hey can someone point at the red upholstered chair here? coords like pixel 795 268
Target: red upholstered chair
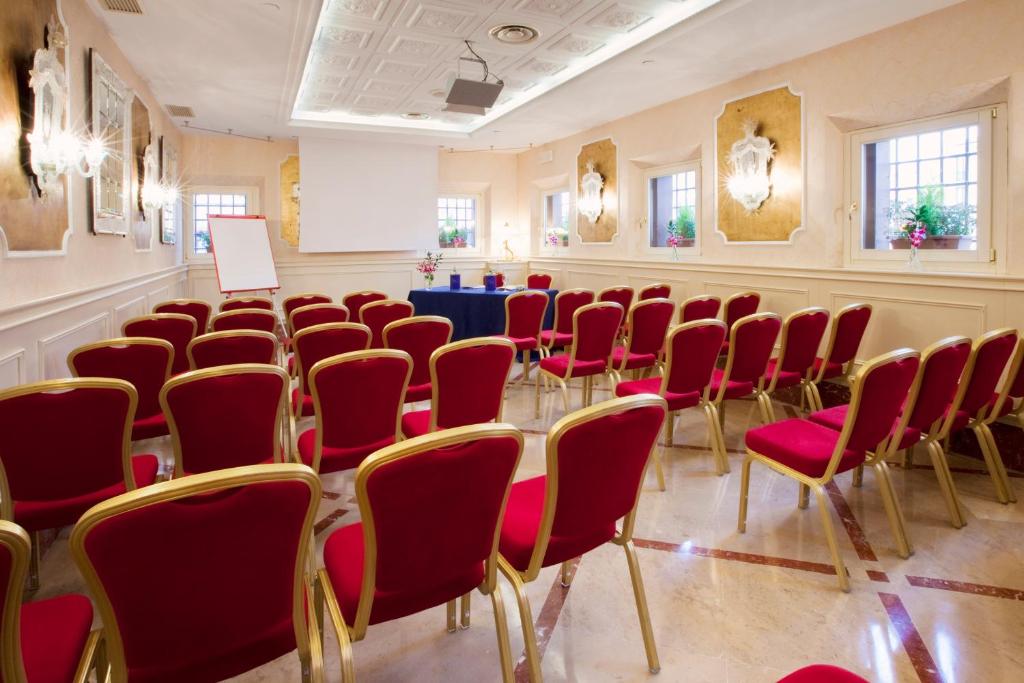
pixel 844 340
pixel 227 416
pixel 468 379
pixel 655 291
pixel 425 536
pixel 143 362
pixel 813 454
pixel 566 304
pixel 299 300
pixel 751 342
pixel 691 352
pixel 236 543
pixel 419 336
pixel 240 302
pixel 621 295
pixel 738 306
pixel 699 308
pixel 175 328
pixel 358 399
pixel 595 328
pixel 931 395
pixel 354 301
pixel 315 343
pixel 801 337
pixel 316 314
pixel 538 281
pixel 65 445
pixel 43 640
pixel 647 323
pixel 596 459
pixel 822 673
pixel 244 319
pixel 1010 400
pixel 377 314
pixel 200 310
pixel 231 347
pixel 524 320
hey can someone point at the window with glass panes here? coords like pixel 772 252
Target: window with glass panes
pixel 672 199
pixel 211 204
pixel 556 219
pixel 456 222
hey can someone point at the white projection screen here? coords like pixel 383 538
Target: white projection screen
pixel 363 196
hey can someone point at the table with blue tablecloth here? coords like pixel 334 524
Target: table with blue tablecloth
pixel 474 312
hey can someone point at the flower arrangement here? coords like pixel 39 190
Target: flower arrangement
pixel 941 225
pixel 428 266
pixel 557 237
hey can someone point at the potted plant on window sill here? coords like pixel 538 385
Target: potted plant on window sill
pixel 451 237
pixel 682 232
pixel 945 227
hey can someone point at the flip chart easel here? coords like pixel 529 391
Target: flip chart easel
pixel 242 255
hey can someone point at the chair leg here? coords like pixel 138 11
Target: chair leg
pixel 451 616
pixel 991 464
pixel 567 574
pixel 641 608
pixel 803 497
pixel 816 403
pixel 670 424
pixel 946 485
pixel 830 536
pixel 721 418
pixel 717 438
pixel 658 471
pixel 348 673
pixel 892 509
pixel 464 617
pixel 565 394
pixel 741 524
pixel 526 367
pixel 858 476
pixel 536 395
pixel 525 619
pixel 34 560
pixel 764 403
pixel 504 646
pixel 997 460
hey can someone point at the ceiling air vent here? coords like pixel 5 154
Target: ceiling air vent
pixel 123 6
pixel 180 111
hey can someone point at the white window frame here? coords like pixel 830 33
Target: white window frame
pixel 544 246
pixel 481 224
pixel 252 202
pixel 668 170
pixel 992 155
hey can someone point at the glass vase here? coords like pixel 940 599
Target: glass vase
pixel 675 253
pixel 914 262
pixel 428 280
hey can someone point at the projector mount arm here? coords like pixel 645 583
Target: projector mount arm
pixel 477 59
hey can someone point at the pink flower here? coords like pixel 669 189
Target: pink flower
pixel 673 241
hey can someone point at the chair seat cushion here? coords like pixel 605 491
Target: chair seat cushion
pixel 416 423
pixel 418 392
pixel 343 560
pixel 522 343
pixel 560 338
pixel 787 378
pixel 833 369
pixel 307 408
pixel 801 445
pixel 559 367
pixel 36 515
pixel 150 427
pixel 53 635
pixel 522 521
pixel 633 361
pixel 833 418
pixel 337 459
pixel 652 386
pixel 822 673
pixel 732 389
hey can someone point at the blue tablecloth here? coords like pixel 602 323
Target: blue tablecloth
pixel 473 312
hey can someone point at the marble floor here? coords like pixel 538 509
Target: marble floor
pixel 725 606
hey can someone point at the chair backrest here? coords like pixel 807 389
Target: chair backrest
pixel 524 314
pixel 355 301
pixel 699 308
pixel 989 356
pixel 649 320
pixel 468 379
pixel 240 302
pixel 566 303
pixel 424 529
pixel 1013 387
pixel 934 388
pixel 64 438
pixel 878 392
pixel 621 295
pixel 143 362
pixel 175 328
pixel 300 300
pixel 594 329
pixel 419 336
pixel 377 314
pixel 848 328
pixel 538 281
pixel 801 337
pixel 232 347
pixel 596 459
pixel 751 342
pixel 199 310
pixel 15 550
pixel 316 314
pixel 741 305
pixel 315 343
pixel 358 398
pixel 244 319
pixel 659 290
pixel 691 353
pixel 227 416
pixel 233 600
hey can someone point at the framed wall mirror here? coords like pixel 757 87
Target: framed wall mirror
pixel 108 189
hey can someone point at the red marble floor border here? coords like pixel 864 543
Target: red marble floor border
pixel 850 523
pixel 544 626
pixel 966 587
pixel 749 558
pixel 330 519
pixel 913 643
pixel 330 495
pixel 876 575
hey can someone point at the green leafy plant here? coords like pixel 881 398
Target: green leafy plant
pixel 202 242
pixel 685 224
pixel 931 213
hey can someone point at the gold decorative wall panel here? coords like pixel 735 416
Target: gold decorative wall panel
pixel 290 200
pixel 142 228
pixel 604 155
pixel 778 114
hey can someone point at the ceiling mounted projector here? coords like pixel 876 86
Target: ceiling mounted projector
pixel 466 96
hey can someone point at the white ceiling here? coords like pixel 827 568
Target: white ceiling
pixel 239 63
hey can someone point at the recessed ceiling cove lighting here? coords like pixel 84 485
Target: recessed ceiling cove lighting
pixel 513 34
pixel 416 116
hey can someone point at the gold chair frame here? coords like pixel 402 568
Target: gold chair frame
pixel 640 294
pixel 526 353
pixel 305 295
pixel 545 351
pixel 122 341
pixel 847 371
pixel 628 341
pixel 244 311
pixel 313 329
pixel 806 382
pixel 362 292
pixel 694 299
pixel 290 323
pixel 182 302
pixel 458 346
pixel 763 401
pixel 387 302
pixel 210 336
pixel 246 299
